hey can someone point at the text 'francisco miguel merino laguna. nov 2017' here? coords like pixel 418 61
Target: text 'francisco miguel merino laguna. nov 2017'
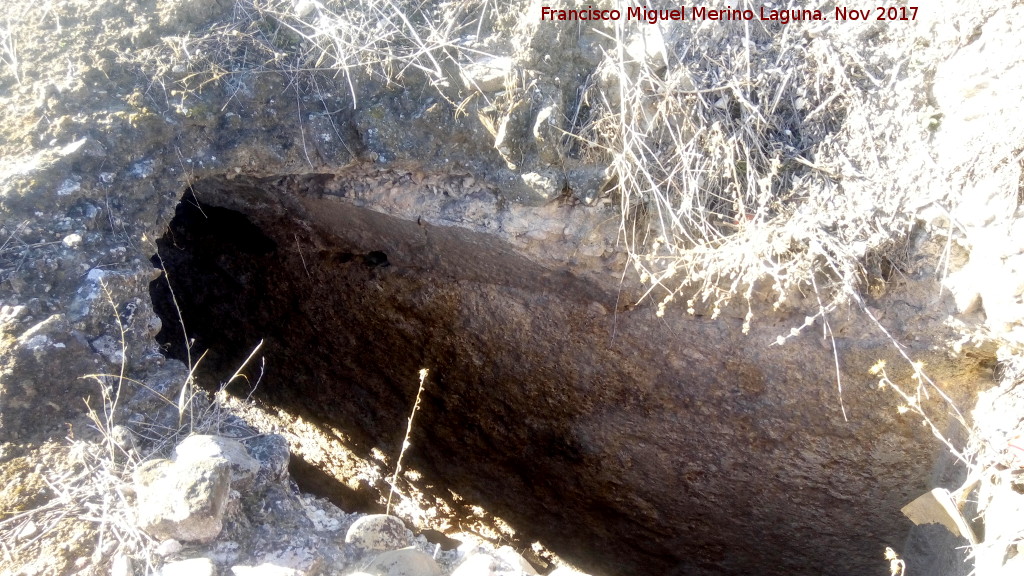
pixel 767 13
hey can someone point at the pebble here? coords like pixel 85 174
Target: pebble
pixel 168 547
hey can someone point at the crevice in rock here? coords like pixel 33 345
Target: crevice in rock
pixel 626 444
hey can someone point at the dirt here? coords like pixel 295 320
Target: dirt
pixel 23 487
pixel 57 542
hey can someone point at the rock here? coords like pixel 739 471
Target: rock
pixel 509 555
pixel 379 532
pixel 501 562
pixel 404 562
pixel 273 454
pixel 243 467
pixel 545 184
pixel 41 371
pixel 168 547
pixel 295 558
pixel 265 569
pixel 587 182
pixel 487 75
pixel 474 565
pixel 190 567
pixel 182 501
pixel 121 566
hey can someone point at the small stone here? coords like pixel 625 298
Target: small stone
pixel 404 562
pixel 545 185
pixel 190 567
pixel 123 437
pixel 304 8
pixel 110 348
pixel 27 531
pixel 68 187
pixel 487 75
pixel 379 532
pixel 168 547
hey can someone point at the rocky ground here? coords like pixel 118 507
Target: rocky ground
pixel 115 458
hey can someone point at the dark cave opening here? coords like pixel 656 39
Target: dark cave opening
pixel 542 407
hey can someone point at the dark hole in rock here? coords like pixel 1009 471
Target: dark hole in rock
pixel 627 444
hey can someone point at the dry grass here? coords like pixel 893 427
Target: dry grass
pixel 750 159
pixel 89 484
pixel 9 50
pixel 91 488
pixel 748 165
pixel 309 43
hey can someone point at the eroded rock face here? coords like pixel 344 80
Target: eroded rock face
pixel 43 365
pixel 626 444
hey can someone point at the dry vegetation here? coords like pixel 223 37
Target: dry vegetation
pixel 758 162
pixel 73 508
pixel 753 161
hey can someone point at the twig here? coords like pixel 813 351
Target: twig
pixel 405 440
